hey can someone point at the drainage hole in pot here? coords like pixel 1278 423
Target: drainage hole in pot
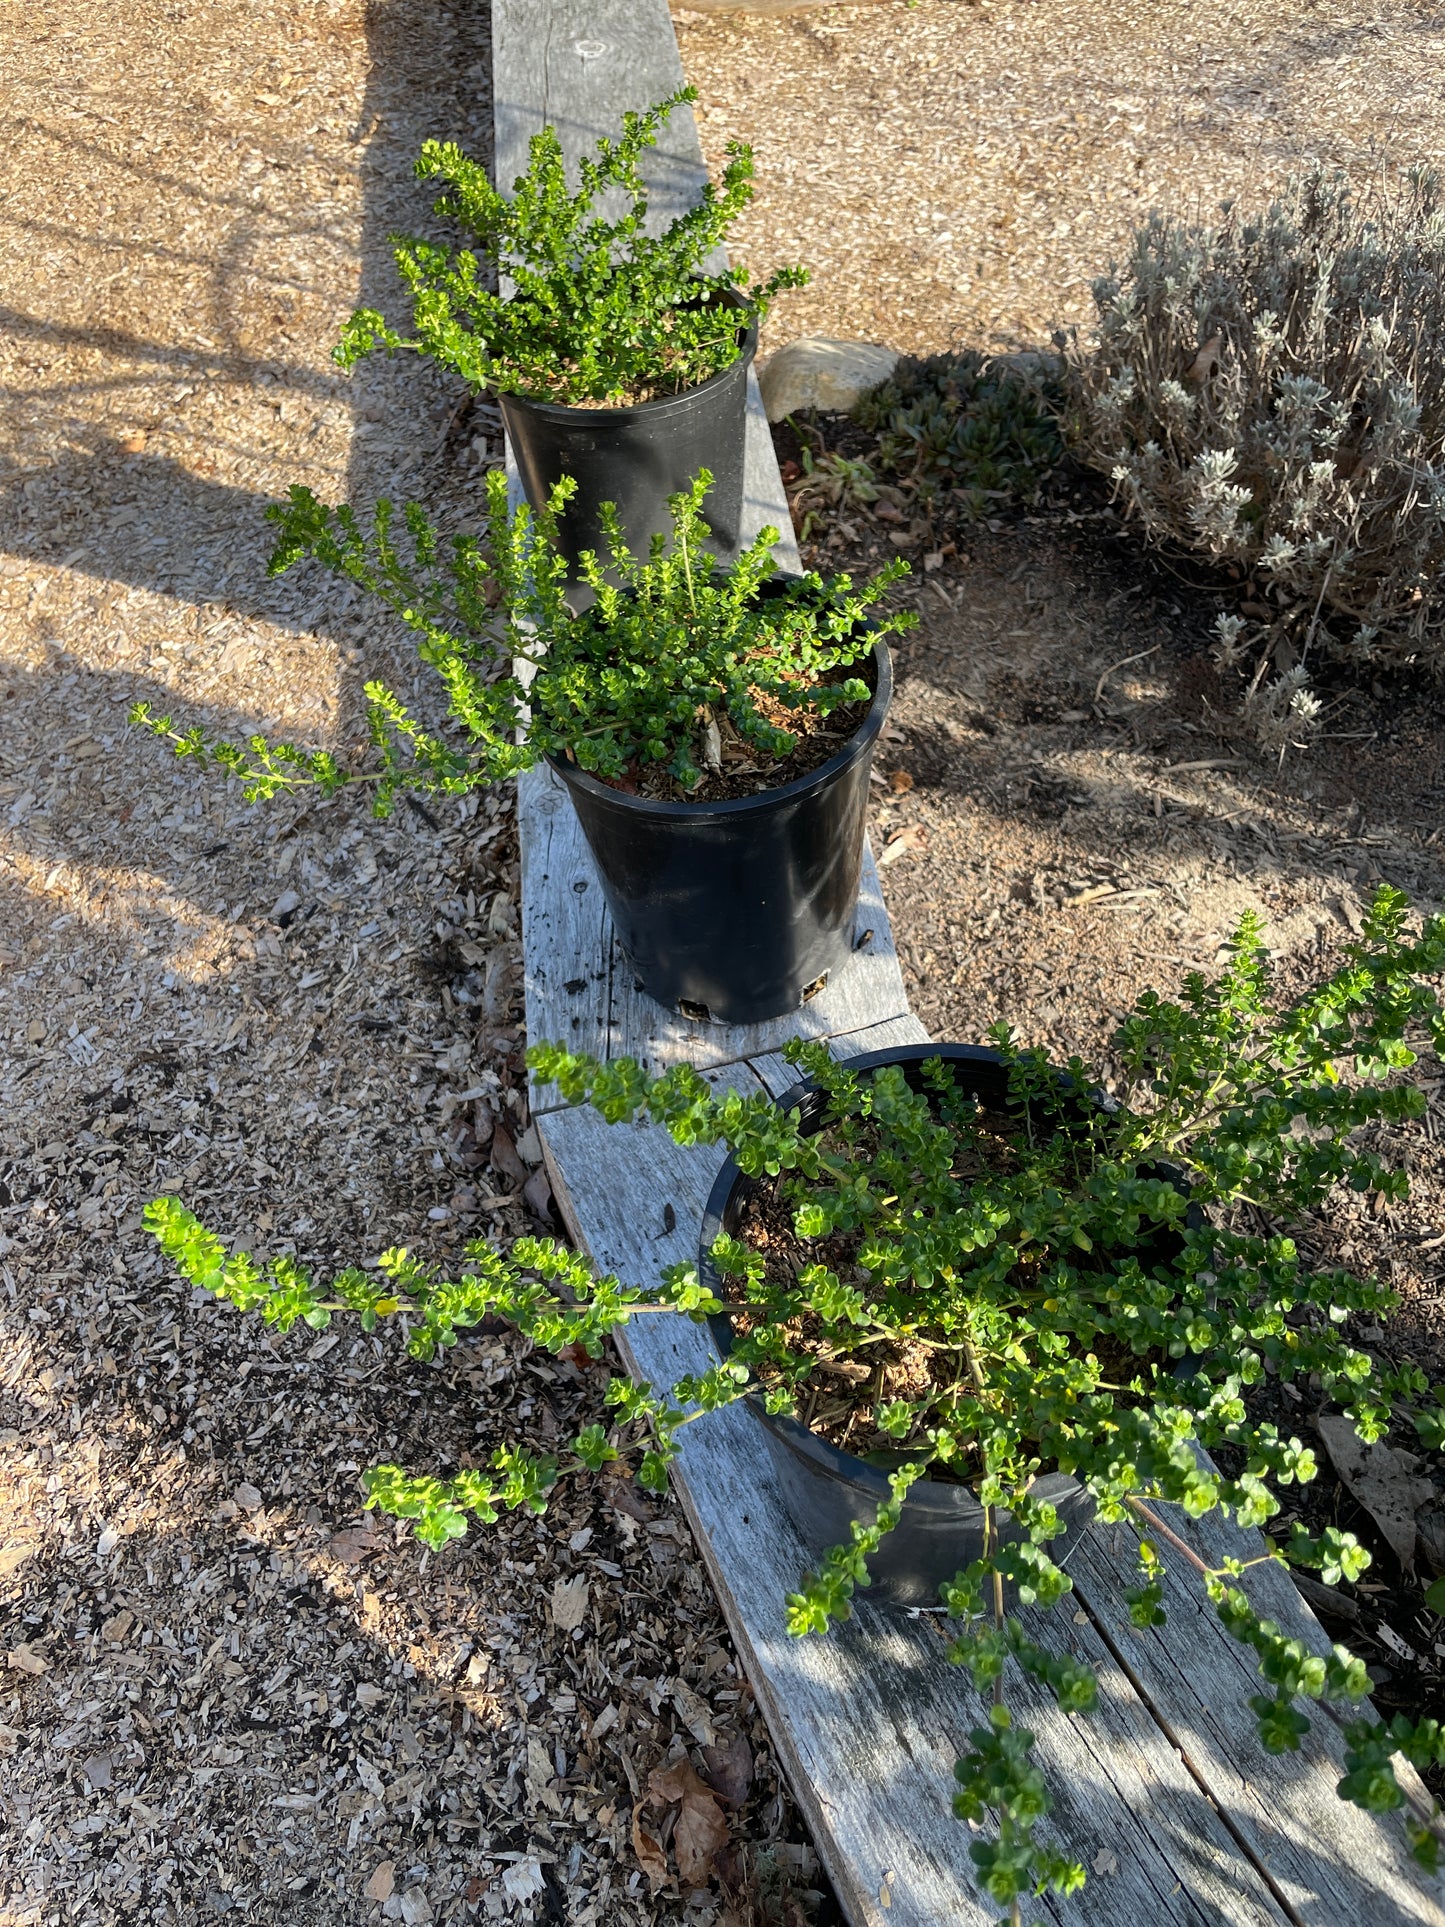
pixel 811 990
pixel 699 1013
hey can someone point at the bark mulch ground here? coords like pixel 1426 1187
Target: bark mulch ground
pixel 225 1690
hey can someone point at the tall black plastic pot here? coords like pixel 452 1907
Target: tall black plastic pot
pixel 637 457
pixel 738 911
pixel 825 1490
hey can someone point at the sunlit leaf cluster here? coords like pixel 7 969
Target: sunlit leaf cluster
pixel 673 640
pixel 595 308
pixel 1098 1281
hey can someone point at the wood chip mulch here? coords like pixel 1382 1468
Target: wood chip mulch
pixel 225 1690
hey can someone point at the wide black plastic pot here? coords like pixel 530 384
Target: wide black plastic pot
pixel 637 457
pixel 737 911
pixel 825 1490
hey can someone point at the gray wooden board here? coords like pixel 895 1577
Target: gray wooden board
pixel 869 1721
pixel 1331 1862
pixel 578 65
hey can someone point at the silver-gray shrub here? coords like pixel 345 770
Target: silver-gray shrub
pixel 1270 391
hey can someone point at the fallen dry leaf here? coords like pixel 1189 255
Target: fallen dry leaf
pixel 624 1495
pixel 650 1857
pixel 504 1157
pixel 1382 1480
pixel 381 1883
pixel 702 1829
pixel 25 1661
pixel 538 1194
pixel 352 1545
pixel 730 1769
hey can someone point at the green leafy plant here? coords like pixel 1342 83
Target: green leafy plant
pixel 967 429
pixel 1095 1284
pixel 830 481
pixel 600 312
pixel 1268 391
pixel 674 645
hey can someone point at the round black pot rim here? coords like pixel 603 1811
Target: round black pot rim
pixel 566 414
pixel 925 1495
pixel 730 808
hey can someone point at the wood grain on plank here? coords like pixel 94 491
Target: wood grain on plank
pixel 578 67
pixel 778 1075
pixel 1331 1862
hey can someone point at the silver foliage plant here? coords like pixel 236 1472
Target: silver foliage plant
pixel 1269 391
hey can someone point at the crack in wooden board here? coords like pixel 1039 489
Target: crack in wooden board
pixel 868 1722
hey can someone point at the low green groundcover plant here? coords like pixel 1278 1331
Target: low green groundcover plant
pixel 675 642
pixel 600 312
pixel 970 430
pixel 1024 1251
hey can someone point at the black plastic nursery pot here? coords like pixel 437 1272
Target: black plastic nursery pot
pixel 824 1489
pixel 637 457
pixel 737 911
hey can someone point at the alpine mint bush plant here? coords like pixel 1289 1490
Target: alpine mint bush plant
pixel 673 642
pixel 1096 1283
pixel 1269 391
pixel 600 313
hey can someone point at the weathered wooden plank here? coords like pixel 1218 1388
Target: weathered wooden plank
pixel 578 66
pixel 765 500
pixel 581 991
pixel 1330 1862
pixel 869 1721
pixel 778 1075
